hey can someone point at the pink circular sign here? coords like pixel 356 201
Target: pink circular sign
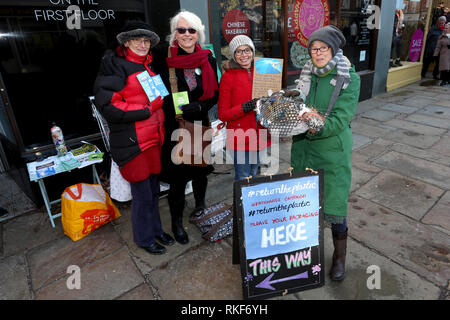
pixel 308 16
pixel 415 46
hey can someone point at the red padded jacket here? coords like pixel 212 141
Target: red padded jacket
pixel 243 131
pixel 135 124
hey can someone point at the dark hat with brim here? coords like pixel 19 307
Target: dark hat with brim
pixel 135 30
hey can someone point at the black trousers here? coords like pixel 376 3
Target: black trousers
pixel 427 60
pixel 177 197
pixel 445 76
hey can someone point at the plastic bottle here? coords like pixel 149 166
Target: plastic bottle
pixel 58 140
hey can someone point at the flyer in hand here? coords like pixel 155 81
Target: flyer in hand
pixel 153 86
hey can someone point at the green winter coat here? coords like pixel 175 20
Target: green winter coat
pixel 331 148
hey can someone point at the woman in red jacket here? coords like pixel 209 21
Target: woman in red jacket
pixel 245 136
pixel 136 129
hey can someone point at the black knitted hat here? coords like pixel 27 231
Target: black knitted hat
pixel 137 29
pixel 331 35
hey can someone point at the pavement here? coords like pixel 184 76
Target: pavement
pixel 399 221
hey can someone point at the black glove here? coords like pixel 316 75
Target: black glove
pixel 191 107
pixel 291 93
pixel 249 105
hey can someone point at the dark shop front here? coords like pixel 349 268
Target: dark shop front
pixel 50 51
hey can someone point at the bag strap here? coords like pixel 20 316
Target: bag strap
pixel 213 213
pixel 216 227
pixel 336 92
pixel 172 76
pixel 72 195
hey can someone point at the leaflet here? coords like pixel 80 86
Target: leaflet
pixel 153 86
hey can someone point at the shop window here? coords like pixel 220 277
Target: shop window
pixel 258 19
pixel 49 69
pixel 408 34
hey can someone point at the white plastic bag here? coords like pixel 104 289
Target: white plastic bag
pixel 120 188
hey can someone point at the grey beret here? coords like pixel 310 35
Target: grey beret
pixel 240 40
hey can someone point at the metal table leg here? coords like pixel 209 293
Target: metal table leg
pixel 48 203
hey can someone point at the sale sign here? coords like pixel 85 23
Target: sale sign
pixel 308 16
pixel 415 46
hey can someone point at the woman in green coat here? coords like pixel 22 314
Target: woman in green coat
pixel 331 147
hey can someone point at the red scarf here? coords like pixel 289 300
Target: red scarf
pixel 199 58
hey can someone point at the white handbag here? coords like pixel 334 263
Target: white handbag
pixel 120 188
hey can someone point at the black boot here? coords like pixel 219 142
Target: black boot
pixel 337 272
pixel 199 207
pixel 178 230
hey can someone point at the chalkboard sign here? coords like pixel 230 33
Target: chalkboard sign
pixel 280 233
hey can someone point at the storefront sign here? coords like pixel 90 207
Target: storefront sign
pixel 308 16
pixel 69 10
pixel 415 46
pixel 235 23
pixel 280 229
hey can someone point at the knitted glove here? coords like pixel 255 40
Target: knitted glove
pixel 291 93
pixel 156 104
pixel 249 105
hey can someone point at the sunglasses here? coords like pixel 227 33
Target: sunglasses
pixel 183 30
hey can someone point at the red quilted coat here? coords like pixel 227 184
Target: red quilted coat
pixel 243 131
pixel 135 124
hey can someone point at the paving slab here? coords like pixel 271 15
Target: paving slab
pixel 28 231
pixel 142 292
pixel 415 127
pixel 360 140
pixel 427 154
pixel 415 246
pixel 439 215
pixel 361 161
pixel 380 115
pixel 398 108
pixel 359 178
pixel 410 197
pixel 433 121
pixel 367 130
pixel 419 102
pixel 442 146
pixel 13 278
pixel 145 261
pixel 396 282
pixel 50 261
pixel 105 279
pixel 444 103
pixel 203 274
pixel 437 111
pixel 416 168
pixel 412 138
pixel 375 148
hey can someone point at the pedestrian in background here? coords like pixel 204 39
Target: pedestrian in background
pixel 245 136
pixel 331 147
pixel 196 73
pixel 136 129
pixel 433 35
pixel 443 52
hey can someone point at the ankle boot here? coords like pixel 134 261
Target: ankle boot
pixel 199 207
pixel 337 272
pixel 178 231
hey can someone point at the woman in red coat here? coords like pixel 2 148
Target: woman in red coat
pixel 136 129
pixel 245 136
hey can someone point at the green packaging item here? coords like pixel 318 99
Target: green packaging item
pixel 180 99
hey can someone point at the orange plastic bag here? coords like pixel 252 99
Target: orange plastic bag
pixel 85 208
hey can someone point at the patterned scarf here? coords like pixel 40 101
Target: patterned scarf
pixel 339 61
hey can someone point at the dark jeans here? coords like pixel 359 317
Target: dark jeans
pixel 246 163
pixel 339 227
pixel 145 217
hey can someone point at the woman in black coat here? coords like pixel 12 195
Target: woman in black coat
pixel 195 70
